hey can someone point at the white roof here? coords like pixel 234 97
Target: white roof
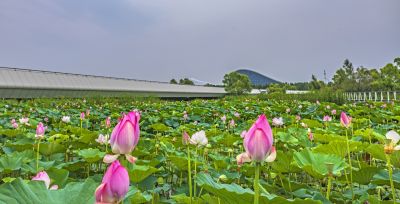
pixel 11 78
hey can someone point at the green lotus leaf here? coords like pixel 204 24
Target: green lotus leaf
pixel 315 163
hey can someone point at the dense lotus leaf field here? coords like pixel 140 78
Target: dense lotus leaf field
pixel 319 158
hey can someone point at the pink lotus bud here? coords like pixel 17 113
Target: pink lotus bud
pixel 185 116
pixel 125 135
pixel 40 129
pixel 333 112
pixel 115 184
pixel 310 135
pixel 88 112
pixel 46 119
pixel 42 176
pixel 328 107
pixel 236 114
pixel 13 121
pixel 82 116
pixel 298 118
pixel 232 123
pixel 108 122
pixel 185 138
pixel 243 134
pixel 258 140
pixel 15 125
pixel 345 120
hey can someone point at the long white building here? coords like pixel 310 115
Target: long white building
pixel 27 83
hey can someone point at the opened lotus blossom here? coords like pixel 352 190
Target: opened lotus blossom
pixel 43 176
pixel 24 121
pixel 327 118
pixel 102 139
pixel 125 137
pixel 66 119
pixel 391 145
pixel 114 186
pixel 277 121
pixel 258 140
pixel 199 139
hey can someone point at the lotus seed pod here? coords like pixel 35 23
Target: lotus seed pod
pixel 223 178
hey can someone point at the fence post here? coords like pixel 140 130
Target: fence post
pixel 388 96
pixel 376 96
pixel 381 96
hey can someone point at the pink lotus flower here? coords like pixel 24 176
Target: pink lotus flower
pixel 345 120
pixel 223 118
pixel 327 118
pixel 82 116
pixel 298 118
pixel 42 176
pixel 333 112
pixel 24 121
pixel 15 125
pixel 243 134
pixel 13 121
pixel 310 135
pixel 108 122
pixel 125 137
pixel 259 139
pixel 40 129
pixel 101 139
pixel 185 138
pixel 236 114
pixel 232 123
pixel 114 186
pixel 277 121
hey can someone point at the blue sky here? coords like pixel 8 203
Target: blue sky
pixel 163 39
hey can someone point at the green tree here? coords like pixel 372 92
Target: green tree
pixel 186 81
pixel 173 81
pixel 315 83
pixel 236 83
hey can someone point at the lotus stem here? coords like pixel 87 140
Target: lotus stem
pixel 389 166
pixel 195 171
pixel 37 156
pixel 328 191
pixel 256 183
pixel 351 168
pixel 189 174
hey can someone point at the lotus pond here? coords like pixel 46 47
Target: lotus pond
pixel 58 151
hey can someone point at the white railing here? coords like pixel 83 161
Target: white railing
pixel 372 96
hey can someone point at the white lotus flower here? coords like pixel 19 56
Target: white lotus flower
pixel 277 121
pixel 393 138
pixel 199 139
pixel 66 119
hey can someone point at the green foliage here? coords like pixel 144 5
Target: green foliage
pixel 236 83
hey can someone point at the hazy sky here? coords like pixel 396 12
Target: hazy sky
pixel 162 39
